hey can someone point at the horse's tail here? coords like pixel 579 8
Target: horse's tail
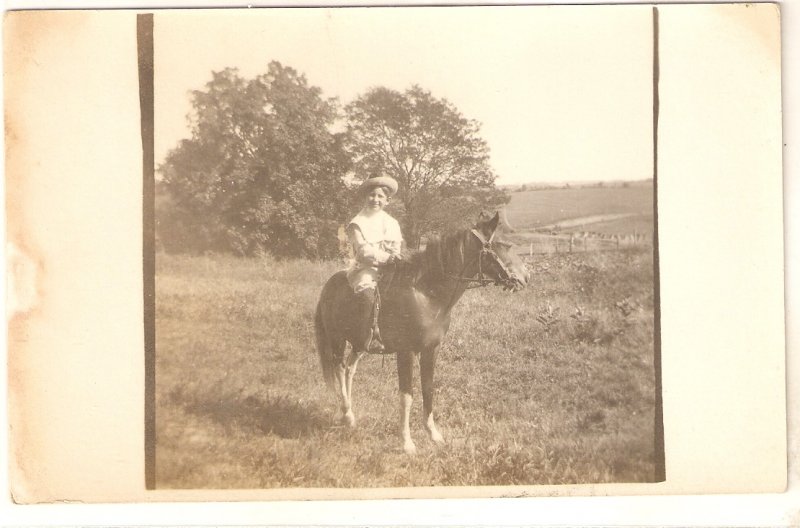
pixel 324 348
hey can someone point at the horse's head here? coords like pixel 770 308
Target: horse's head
pixel 497 260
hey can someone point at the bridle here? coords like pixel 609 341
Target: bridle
pixel 487 250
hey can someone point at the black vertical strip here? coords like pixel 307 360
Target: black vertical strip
pixel 660 466
pixel 144 38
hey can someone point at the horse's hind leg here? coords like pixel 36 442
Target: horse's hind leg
pixel 341 380
pixel 350 372
pixel 341 395
pixel 426 368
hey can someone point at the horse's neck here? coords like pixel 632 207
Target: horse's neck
pixel 445 293
pixel 444 284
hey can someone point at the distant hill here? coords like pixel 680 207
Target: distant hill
pixel 536 186
pixel 607 209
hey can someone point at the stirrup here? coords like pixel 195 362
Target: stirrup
pixel 376 347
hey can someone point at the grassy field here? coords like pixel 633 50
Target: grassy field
pixel 554 384
pixel 530 210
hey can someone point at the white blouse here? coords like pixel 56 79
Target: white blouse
pixel 374 237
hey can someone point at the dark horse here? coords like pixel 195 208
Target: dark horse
pixel 417 295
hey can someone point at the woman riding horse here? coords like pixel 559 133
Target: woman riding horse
pixel 416 300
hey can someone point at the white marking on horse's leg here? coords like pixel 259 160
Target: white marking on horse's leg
pixel 350 372
pixel 434 433
pixel 349 418
pixel 341 393
pixel 405 428
pixel 352 365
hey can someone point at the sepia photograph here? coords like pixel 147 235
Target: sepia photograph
pixel 263 264
pixel 405 247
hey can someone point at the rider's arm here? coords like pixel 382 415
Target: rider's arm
pixel 393 247
pixel 366 253
pixel 394 238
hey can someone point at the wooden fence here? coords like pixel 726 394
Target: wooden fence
pixel 538 243
pixel 580 242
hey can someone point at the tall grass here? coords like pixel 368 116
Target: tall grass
pixel 551 385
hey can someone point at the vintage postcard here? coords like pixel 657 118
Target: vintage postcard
pixel 395 252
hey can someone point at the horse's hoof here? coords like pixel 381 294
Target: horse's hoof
pixel 437 438
pixel 349 419
pixel 409 448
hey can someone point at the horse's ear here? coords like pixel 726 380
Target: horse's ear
pixel 488 223
pixel 494 221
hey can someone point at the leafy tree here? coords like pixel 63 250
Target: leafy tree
pixel 262 171
pixel 436 154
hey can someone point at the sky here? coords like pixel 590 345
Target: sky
pixel 563 93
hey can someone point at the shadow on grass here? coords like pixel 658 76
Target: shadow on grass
pixel 279 415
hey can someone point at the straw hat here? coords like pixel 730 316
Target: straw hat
pixel 379 181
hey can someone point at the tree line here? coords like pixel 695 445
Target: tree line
pixel 271 166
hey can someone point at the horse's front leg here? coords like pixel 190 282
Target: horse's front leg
pixel 426 367
pixel 405 374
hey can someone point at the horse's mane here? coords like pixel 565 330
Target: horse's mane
pixel 442 254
